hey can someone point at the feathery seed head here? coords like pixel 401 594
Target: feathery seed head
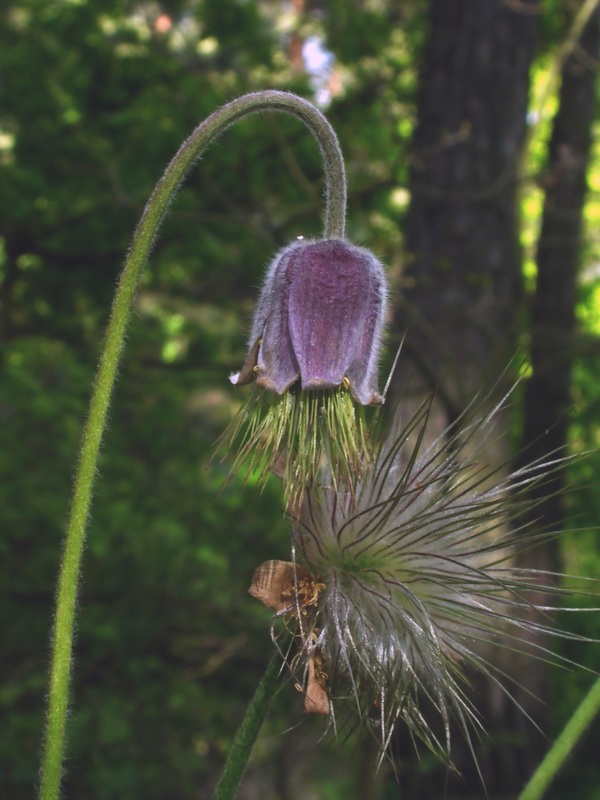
pixel 416 586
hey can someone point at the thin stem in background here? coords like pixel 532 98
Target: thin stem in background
pixel 563 746
pixel 246 734
pixel 580 20
pixel 143 239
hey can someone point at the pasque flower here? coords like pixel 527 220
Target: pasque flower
pixel 319 320
pixel 412 568
pixel 314 345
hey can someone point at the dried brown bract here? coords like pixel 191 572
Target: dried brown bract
pixel 293 592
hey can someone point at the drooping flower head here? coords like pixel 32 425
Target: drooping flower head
pixel 314 346
pixel 319 320
pixel 404 583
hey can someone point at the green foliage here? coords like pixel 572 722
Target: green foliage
pixel 94 101
pixel 160 626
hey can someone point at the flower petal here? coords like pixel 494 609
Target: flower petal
pixel 319 318
pixel 247 374
pixel 336 306
pixel 277 364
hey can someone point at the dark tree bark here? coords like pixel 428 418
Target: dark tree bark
pixel 462 302
pixel 548 391
pixel 463 266
pixel 547 397
pixel 462 299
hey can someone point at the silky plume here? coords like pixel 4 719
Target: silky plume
pixel 404 583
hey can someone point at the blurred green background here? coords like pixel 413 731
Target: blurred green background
pixel 95 98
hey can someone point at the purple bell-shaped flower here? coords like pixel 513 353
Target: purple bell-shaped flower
pixel 314 347
pixel 319 321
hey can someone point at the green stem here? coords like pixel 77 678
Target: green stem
pixel 246 734
pixel 563 746
pixel 145 233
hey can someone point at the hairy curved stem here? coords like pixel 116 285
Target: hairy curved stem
pixel 247 733
pixel 563 746
pixel 145 233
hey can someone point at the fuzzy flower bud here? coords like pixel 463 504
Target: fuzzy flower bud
pixel 314 345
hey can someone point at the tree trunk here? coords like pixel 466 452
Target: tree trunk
pixel 547 395
pixel 463 271
pixel 462 299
